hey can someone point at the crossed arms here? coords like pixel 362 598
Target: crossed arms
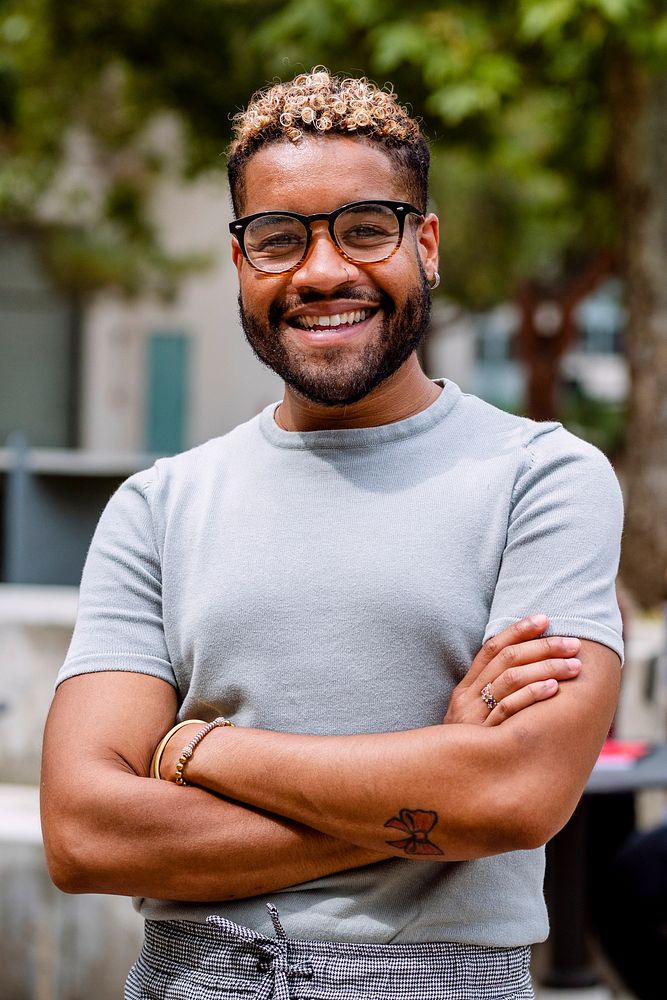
pixel 271 810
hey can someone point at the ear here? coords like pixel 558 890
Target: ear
pixel 428 238
pixel 237 256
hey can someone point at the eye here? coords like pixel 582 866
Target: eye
pixel 367 226
pixel 364 232
pixel 277 242
pixel 275 236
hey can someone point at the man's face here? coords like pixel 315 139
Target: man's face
pixel 334 330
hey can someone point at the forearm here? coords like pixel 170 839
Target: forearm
pixel 488 789
pixel 351 787
pixel 136 836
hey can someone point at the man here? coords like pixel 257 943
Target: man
pixel 324 576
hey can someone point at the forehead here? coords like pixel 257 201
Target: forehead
pixel 318 174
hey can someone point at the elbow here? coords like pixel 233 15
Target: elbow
pixel 69 868
pixel 518 833
pixel 501 830
pixel 74 856
pixel 533 823
pixel 531 804
pixel 545 827
pixel 66 877
pixel 532 834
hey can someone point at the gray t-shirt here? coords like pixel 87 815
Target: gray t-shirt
pixel 342 581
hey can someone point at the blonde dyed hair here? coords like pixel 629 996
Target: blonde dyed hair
pixel 322 104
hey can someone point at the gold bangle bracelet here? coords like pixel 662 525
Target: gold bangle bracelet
pixel 159 750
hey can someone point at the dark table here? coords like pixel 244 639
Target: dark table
pixel 648 772
pixel 605 812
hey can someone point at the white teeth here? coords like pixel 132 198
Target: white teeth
pixel 339 319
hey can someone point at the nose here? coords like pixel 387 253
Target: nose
pixel 324 269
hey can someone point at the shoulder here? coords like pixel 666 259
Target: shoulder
pixel 544 461
pixel 179 484
pixel 557 461
pixel 493 431
pixel 193 468
pixel 567 487
pixel 542 447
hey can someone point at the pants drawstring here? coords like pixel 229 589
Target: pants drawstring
pixel 275 962
pixel 275 920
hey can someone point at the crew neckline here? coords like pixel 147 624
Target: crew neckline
pixel 362 437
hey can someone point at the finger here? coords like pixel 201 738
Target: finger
pixel 517 633
pixel 514 678
pixel 527 696
pixel 532 651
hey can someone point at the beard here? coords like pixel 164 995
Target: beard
pixel 339 377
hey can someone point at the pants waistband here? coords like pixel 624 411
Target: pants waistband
pixel 241 961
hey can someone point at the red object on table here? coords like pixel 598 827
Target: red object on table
pixel 622 753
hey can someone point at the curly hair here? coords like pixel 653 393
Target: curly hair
pixel 319 103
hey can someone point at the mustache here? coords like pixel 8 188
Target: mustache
pixel 381 300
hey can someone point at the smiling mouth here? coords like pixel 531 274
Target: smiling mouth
pixel 326 322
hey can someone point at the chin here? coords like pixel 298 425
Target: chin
pixel 340 376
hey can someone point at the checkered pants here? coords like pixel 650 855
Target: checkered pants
pixel 181 960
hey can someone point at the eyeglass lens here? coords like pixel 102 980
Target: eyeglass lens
pixel 365 233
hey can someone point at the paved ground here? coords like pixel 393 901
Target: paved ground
pixel 595 993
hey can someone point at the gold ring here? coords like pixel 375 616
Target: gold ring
pixel 488 698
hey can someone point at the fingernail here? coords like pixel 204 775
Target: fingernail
pixel 574 666
pixel 541 621
pixel 571 645
pixel 550 685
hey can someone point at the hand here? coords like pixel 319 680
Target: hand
pixel 519 668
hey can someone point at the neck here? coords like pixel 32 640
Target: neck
pixel 407 392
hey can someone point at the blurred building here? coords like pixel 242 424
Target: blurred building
pixel 478 351
pixel 129 377
pixel 92 391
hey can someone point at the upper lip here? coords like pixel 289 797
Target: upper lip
pixel 330 308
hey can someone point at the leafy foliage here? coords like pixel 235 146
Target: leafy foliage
pixel 516 97
pixel 102 71
pixel 513 94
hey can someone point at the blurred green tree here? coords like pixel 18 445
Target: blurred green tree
pixel 547 117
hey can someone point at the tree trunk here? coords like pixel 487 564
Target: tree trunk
pixel 548 329
pixel 639 141
pixel 541 348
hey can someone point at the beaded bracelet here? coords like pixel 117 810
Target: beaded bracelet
pixel 189 748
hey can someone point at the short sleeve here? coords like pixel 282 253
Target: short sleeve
pixel 563 542
pixel 119 621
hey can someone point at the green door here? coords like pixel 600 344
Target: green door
pixel 167 371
